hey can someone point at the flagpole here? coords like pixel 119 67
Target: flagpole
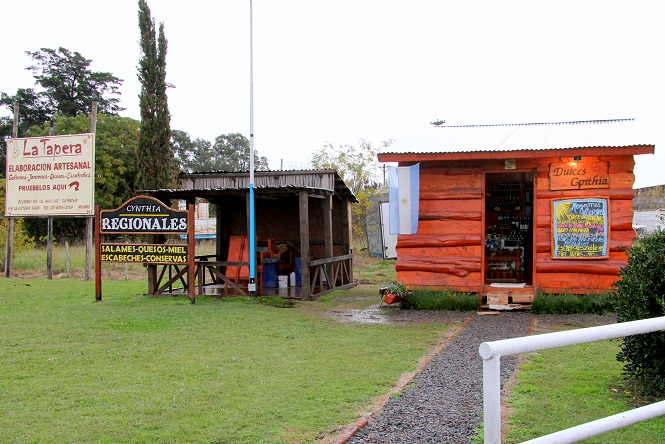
pixel 252 218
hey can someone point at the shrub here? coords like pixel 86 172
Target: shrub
pixel 573 304
pixel 639 295
pixel 441 300
pixel 21 240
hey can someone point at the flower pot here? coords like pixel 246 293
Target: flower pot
pixel 391 298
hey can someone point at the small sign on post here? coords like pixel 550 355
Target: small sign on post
pixel 146 215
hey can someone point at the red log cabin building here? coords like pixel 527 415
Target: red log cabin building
pixel 544 206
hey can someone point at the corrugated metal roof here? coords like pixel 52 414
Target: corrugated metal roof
pixel 275 182
pixel 535 136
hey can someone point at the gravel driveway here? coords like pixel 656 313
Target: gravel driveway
pixel 443 404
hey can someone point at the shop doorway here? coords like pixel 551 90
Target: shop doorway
pixel 509 227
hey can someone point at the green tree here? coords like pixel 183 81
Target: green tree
pixel 359 168
pixel 640 294
pixel 193 155
pixel 5 133
pixel 67 87
pixel 70 86
pixel 183 149
pixel 33 110
pixel 156 164
pixel 230 152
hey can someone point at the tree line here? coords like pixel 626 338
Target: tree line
pixel 130 155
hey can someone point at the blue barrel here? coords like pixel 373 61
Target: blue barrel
pixel 270 272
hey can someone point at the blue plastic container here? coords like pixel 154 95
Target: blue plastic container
pixel 270 273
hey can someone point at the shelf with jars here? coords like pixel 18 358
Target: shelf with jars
pixel 504 258
pixel 508 216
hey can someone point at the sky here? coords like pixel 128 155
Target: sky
pixel 338 72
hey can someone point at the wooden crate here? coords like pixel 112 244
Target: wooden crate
pixel 498 297
pixel 522 298
pixel 506 296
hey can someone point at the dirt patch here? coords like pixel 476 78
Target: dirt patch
pixel 382 314
pixel 371 315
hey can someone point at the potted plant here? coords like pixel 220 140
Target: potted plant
pixel 394 292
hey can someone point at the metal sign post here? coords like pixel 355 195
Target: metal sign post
pixel 252 216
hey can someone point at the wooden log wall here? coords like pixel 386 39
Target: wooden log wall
pixel 589 275
pixel 447 250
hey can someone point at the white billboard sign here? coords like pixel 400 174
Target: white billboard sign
pixel 51 176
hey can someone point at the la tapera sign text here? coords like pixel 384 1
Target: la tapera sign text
pixel 51 176
pixel 579 175
pixel 143 215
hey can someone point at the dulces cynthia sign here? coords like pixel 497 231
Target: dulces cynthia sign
pixel 579 175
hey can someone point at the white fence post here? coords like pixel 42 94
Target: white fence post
pixel 492 396
pixel 491 353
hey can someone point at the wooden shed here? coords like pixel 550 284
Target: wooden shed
pixel 523 207
pixel 303 218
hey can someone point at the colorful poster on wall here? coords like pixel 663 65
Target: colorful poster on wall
pixel 51 176
pixel 580 228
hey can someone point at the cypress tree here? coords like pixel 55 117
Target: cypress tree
pixel 155 160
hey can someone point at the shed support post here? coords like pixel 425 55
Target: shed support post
pixel 347 234
pixel 220 254
pixel 328 236
pixel 152 269
pixel 303 211
pixel 191 254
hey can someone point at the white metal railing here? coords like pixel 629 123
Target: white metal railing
pixel 491 353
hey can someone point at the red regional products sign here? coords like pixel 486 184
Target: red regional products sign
pixel 51 176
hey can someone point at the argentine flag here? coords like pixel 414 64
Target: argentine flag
pixel 403 198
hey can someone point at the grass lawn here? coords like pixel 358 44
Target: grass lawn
pixel 564 387
pixel 139 369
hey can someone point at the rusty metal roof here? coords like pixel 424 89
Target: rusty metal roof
pixel 535 136
pixel 216 183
